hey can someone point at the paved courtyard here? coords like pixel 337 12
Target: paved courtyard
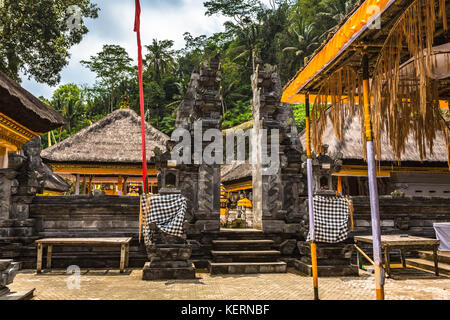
pixel 110 284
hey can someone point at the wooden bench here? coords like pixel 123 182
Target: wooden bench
pixel 401 243
pixel 124 244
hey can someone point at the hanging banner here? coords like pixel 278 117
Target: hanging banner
pixel 137 27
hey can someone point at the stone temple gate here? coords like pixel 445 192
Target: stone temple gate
pixel 276 197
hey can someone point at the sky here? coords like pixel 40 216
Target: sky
pixel 160 19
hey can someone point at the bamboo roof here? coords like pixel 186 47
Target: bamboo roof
pixel 114 139
pixel 344 45
pixel 24 108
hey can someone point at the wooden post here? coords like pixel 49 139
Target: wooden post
pixel 127 255
pixel 90 183
pixel 387 261
pixel 124 187
pixel 119 185
pixel 339 185
pixel 373 189
pixel 311 201
pixel 359 260
pixel 77 185
pixel 39 258
pixel 49 256
pixel 122 257
pixel 402 257
pixel 436 260
pixel 84 184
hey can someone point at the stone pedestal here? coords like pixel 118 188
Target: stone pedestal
pixel 333 259
pixel 8 271
pixel 169 261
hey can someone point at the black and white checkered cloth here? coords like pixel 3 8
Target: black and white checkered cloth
pixel 166 211
pixel 330 219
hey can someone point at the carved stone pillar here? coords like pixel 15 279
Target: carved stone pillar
pixel 276 202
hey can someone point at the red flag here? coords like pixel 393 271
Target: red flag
pixel 137 27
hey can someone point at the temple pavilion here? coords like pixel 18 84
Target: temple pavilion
pixel 107 155
pixel 22 118
pixel 412 176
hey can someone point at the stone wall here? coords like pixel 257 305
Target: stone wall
pixel 85 216
pixel 110 216
pixel 409 215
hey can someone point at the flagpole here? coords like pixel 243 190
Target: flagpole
pixel 311 201
pixel 137 27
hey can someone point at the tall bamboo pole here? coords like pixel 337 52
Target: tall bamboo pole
pixel 311 201
pixel 373 188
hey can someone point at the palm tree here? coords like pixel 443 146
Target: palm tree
pixel 304 34
pixel 160 58
pixel 335 11
pixel 70 108
pixel 301 40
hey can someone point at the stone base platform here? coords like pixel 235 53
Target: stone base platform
pixel 152 273
pixel 247 267
pixel 327 271
pixel 20 295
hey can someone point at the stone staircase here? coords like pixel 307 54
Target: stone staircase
pixel 426 262
pixel 243 251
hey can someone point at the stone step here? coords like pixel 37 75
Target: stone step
pixel 247 267
pixel 442 256
pixel 245 256
pixel 327 270
pixel 240 234
pixel 444 268
pixel 242 245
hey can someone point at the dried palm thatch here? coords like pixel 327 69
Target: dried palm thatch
pixel 405 105
pixel 235 171
pixel 114 139
pixel 20 105
pixel 352 143
pixel 340 91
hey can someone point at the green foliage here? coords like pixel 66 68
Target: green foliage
pixel 159 59
pixel 68 101
pixel 284 33
pixel 35 36
pixel 299 116
pixel 233 117
pixel 112 67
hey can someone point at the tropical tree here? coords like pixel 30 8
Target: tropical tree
pixel 112 66
pixel 334 11
pixel 36 35
pixel 159 60
pixel 68 101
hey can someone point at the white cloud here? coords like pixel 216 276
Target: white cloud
pixel 168 20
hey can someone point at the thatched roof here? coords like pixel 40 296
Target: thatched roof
pixel 351 147
pixel 21 106
pixel 243 126
pixel 235 171
pixel 114 139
